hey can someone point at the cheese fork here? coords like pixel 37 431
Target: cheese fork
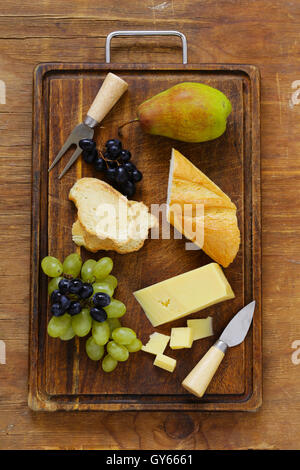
pixel 110 92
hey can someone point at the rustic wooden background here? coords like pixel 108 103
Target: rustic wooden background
pixel 260 32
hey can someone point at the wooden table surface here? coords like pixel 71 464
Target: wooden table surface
pixel 260 32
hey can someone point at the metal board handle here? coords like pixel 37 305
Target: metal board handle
pixel 145 33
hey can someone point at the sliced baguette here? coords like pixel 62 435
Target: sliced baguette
pixel 188 185
pixel 106 219
pixel 91 242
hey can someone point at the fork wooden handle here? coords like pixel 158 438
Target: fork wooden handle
pixel 110 92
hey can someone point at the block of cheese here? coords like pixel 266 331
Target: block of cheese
pixel 157 343
pixel 184 294
pixel 181 338
pixel 165 362
pixel 201 327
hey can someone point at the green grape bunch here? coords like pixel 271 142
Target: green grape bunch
pixel 82 302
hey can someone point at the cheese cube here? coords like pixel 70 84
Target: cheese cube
pixel 157 343
pixel 184 294
pixel 165 362
pixel 181 338
pixel 201 327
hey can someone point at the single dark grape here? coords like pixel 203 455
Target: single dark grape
pixel 125 156
pixel 114 151
pixel 65 302
pixel 100 164
pixel 86 290
pixel 74 308
pixel 57 310
pixel 75 286
pixel 64 285
pixel 87 144
pixel 136 176
pixel 89 156
pixel 128 189
pixel 130 167
pixel 56 296
pixel 110 174
pixel 111 142
pixel 98 314
pixel 121 175
pixel 101 299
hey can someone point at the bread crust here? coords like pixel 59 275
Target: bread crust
pixel 188 185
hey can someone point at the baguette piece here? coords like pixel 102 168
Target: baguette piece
pixel 106 219
pixel 91 242
pixel 218 222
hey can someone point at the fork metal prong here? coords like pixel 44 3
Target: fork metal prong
pixel 63 150
pixel 71 161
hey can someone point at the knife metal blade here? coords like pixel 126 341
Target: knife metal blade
pixel 237 329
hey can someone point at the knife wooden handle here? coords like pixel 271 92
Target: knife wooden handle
pixel 199 378
pixel 110 92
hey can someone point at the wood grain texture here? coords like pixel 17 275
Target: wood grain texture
pixel 62 376
pixel 264 33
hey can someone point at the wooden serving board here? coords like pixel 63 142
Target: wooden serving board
pixel 61 375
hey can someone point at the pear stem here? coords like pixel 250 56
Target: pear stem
pixel 120 134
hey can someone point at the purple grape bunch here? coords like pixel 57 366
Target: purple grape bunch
pixel 114 162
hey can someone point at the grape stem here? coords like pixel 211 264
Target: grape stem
pixel 120 134
pixel 67 276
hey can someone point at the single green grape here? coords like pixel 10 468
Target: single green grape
pixel 109 363
pixel 72 265
pixel 87 270
pixel 51 266
pixel 93 350
pixel 69 334
pixel 123 335
pixel 53 284
pixel 100 332
pixel 113 324
pixel 112 280
pixel 117 351
pixel 116 309
pixel 58 326
pixel 82 322
pixel 103 267
pixel 103 287
pixel 135 346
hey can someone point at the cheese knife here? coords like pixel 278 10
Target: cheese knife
pixel 235 332
pixel 111 90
